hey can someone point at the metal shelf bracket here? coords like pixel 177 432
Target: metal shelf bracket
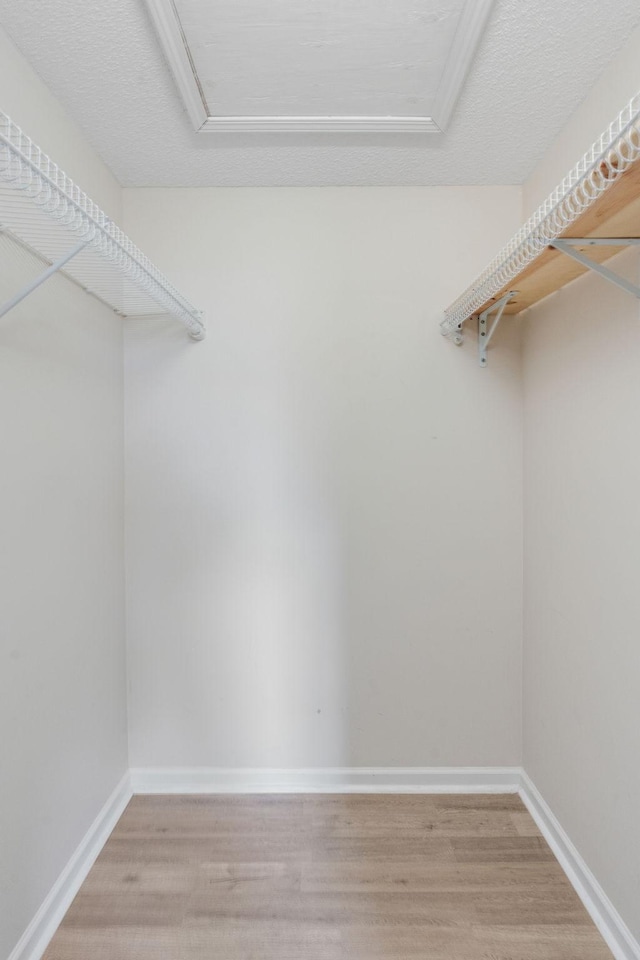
pixel 35 283
pixel 566 245
pixel 484 331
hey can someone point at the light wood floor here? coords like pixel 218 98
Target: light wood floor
pixel 327 878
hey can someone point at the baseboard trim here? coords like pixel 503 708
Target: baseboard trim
pixel 615 932
pixel 35 939
pixel 212 780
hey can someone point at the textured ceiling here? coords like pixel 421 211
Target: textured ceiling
pixel 535 64
pixel 329 58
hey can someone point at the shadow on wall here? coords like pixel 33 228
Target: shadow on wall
pixel 239 656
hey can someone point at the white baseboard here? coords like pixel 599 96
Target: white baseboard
pixel 615 932
pixel 36 937
pixel 326 780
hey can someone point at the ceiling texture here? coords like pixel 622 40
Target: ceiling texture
pixel 324 92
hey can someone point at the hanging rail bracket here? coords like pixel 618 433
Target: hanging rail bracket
pixel 566 245
pixel 484 331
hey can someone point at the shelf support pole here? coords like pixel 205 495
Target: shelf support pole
pixel 566 244
pixel 35 283
pixel 484 331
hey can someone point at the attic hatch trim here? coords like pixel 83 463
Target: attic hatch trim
pixel 173 41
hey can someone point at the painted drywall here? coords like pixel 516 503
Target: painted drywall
pixel 30 104
pixel 62 661
pixel 619 82
pixel 582 554
pixel 582 537
pixel 323 497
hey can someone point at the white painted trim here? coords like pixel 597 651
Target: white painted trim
pixel 615 932
pixel 319 125
pixel 36 937
pixel 473 21
pixel 326 780
pixel 174 44
pixel 173 41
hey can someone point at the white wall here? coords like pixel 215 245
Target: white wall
pixel 582 541
pixel 324 497
pixel 617 85
pixel 62 662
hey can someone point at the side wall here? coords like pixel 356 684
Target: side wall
pixel 324 497
pixel 582 540
pixel 63 747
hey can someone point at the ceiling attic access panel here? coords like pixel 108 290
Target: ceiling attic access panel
pixel 319 59
pixel 252 65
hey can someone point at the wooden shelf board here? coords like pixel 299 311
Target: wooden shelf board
pixel 616 213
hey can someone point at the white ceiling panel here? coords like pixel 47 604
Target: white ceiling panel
pixel 321 57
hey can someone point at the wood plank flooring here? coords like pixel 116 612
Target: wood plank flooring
pixel 327 878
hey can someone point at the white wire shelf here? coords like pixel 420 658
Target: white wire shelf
pixel 45 212
pixel 604 165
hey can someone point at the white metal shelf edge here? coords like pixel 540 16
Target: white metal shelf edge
pixel 49 214
pixel 610 156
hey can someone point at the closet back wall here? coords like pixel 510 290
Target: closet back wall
pixel 324 513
